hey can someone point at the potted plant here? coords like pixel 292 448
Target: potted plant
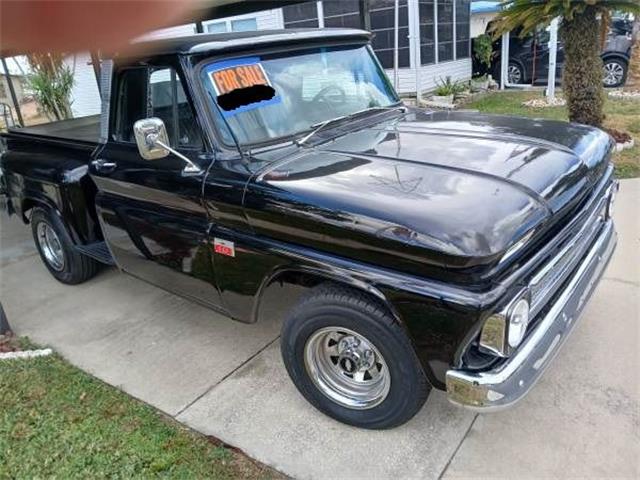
pixel 446 91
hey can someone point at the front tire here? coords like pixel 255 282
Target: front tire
pixel 57 249
pixel 350 359
pixel 515 73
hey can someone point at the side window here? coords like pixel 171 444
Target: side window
pixel 132 105
pixel 168 101
pixel 144 93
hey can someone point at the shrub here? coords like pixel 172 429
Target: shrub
pixel 448 87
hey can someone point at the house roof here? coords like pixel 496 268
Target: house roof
pixel 484 6
pixel 201 43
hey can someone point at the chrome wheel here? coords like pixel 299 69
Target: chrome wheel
pixel 613 74
pixel 50 246
pixel 347 368
pixel 514 74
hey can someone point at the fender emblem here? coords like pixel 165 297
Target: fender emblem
pixel 224 247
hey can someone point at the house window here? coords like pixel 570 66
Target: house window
pixel 342 14
pixel 444 26
pixel 427 32
pixel 303 15
pixel 445 30
pixel 218 27
pixel 229 25
pixel 463 16
pixel 3 90
pixel 382 15
pixel 244 25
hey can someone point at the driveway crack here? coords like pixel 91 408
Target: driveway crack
pixel 210 388
pixel 621 280
pixel 455 452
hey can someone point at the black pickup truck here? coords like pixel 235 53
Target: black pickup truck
pixel 278 173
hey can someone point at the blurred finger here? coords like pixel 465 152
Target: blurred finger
pixel 66 25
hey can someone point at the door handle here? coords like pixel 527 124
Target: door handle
pixel 103 166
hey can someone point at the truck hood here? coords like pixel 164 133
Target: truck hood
pixel 447 189
pixel 551 161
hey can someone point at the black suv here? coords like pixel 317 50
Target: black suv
pixel 529 56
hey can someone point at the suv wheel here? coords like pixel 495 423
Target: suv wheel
pixel 515 73
pixel 352 360
pixel 614 72
pixel 57 249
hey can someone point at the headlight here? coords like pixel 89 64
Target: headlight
pixel 503 331
pixel 518 321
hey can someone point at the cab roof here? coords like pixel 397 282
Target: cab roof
pixel 222 42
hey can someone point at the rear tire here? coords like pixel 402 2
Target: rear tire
pixel 351 359
pixel 57 250
pixel 614 72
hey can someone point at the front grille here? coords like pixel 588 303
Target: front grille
pixel 557 270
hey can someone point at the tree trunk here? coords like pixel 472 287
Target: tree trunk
pixel 582 78
pixel 633 74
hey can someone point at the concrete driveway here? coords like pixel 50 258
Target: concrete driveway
pixel 226 379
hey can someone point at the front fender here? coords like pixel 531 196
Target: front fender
pixel 265 278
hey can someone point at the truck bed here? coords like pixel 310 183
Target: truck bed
pixel 85 130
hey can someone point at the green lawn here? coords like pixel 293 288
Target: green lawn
pixel 620 114
pixel 57 421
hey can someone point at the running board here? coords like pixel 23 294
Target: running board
pixel 98 251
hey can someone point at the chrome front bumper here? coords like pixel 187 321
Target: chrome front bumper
pixel 508 383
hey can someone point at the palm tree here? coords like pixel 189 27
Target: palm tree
pixel 583 29
pixel 633 75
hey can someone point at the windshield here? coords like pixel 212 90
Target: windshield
pixel 262 98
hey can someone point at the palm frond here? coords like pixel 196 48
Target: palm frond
pixel 529 14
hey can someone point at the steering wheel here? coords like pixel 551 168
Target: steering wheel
pixel 332 95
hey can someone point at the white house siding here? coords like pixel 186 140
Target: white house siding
pixel 479 23
pixel 269 19
pixel 459 70
pixel 85 97
pixel 265 19
pixel 177 31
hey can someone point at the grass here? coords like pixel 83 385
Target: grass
pixel 57 421
pixel 620 114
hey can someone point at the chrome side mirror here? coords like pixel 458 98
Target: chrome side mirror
pixel 153 143
pixel 150 134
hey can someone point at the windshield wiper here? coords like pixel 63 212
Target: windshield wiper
pixel 319 126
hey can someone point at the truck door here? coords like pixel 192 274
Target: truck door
pixel 151 213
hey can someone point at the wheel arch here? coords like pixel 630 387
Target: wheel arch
pixel 29 203
pixel 304 278
pixel 615 55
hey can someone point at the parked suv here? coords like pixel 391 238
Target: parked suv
pixel 529 56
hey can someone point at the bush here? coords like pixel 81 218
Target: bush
pixel 448 87
pixel 483 50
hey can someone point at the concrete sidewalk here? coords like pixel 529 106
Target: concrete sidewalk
pixel 226 379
